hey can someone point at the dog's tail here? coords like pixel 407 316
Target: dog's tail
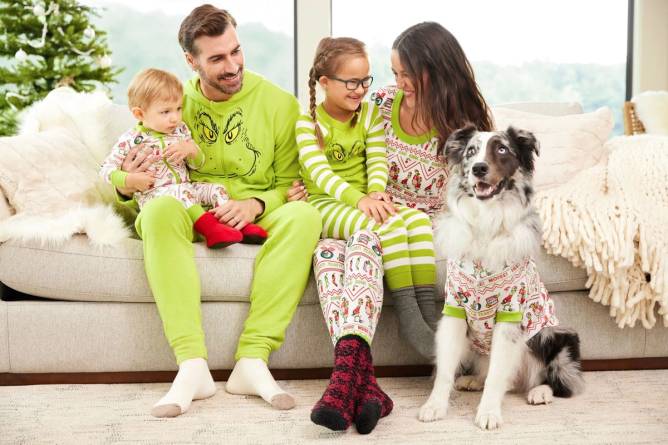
pixel 559 350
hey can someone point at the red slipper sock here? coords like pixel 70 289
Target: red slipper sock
pixel 253 234
pixel 217 235
pixel 372 403
pixel 336 407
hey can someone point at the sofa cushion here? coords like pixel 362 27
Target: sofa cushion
pixel 77 271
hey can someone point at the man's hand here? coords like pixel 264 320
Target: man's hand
pixel 140 181
pixel 378 210
pixel 178 151
pixel 297 192
pixel 136 161
pixel 238 213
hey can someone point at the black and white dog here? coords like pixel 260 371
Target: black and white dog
pixel 490 222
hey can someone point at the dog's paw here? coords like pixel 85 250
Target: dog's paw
pixel 469 383
pixel 541 394
pixel 488 419
pixel 431 411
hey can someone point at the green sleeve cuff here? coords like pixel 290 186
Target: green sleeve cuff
pixel 352 196
pixel 509 317
pixel 118 178
pixel 454 311
pixel 124 201
pixel 272 200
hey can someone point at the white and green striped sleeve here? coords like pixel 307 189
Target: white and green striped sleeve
pixel 376 153
pixel 315 165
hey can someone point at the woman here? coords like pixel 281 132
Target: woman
pixel 435 94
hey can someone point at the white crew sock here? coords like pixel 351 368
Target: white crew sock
pixel 193 382
pixel 251 376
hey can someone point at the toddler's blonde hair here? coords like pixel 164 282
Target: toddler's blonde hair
pixel 153 84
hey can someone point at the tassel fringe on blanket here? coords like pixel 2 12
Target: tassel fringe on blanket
pixel 612 219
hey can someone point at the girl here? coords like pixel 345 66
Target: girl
pixel 435 94
pixel 342 155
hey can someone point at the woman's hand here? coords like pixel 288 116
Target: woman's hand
pixel 379 210
pixel 297 192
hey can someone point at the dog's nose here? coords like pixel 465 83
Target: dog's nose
pixel 480 169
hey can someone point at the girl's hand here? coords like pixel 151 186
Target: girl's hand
pixel 381 196
pixel 379 211
pixel 177 152
pixel 297 192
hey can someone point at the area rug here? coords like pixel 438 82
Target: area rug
pixel 620 407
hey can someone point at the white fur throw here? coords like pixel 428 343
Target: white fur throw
pixel 49 173
pixel 612 219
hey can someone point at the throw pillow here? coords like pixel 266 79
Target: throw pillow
pixel 568 144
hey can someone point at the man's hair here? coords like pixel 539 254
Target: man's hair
pixel 205 20
pixel 150 85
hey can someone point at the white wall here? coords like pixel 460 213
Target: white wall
pixel 650 46
pixel 314 21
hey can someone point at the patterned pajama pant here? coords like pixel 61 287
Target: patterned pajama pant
pixel 188 193
pixel 406 238
pixel 350 284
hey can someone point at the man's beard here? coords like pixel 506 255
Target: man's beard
pixel 220 87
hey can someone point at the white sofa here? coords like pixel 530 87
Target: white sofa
pixel 96 313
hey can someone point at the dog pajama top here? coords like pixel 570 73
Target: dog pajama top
pixel 170 179
pixel 514 295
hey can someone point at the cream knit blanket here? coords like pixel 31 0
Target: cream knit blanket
pixel 612 219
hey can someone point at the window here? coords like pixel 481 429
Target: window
pixel 521 50
pixel 143 34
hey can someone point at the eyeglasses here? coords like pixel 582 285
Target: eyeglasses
pixel 353 84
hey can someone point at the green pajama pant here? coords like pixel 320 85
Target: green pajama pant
pixel 406 238
pixel 282 267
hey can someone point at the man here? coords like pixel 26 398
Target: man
pixel 245 126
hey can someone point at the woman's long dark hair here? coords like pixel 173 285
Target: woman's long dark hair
pixel 450 97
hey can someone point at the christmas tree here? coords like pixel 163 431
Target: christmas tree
pixel 44 45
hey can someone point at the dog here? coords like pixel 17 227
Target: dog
pixel 499 331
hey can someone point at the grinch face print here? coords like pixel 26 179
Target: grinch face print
pixel 239 156
pixel 337 152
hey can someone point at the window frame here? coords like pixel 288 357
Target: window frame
pixel 313 21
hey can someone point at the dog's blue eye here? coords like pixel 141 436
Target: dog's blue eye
pixel 502 150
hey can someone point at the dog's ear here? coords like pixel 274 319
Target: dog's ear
pixel 526 144
pixel 457 142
